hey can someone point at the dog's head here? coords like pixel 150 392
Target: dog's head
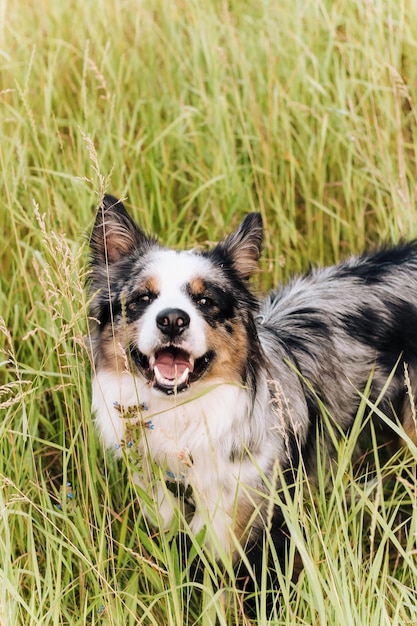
pixel 174 317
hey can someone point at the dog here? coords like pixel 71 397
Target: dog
pixel 215 387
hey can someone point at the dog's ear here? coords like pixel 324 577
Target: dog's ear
pixel 244 246
pixel 115 234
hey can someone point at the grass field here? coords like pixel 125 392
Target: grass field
pixel 196 113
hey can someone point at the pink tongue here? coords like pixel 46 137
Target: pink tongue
pixel 172 365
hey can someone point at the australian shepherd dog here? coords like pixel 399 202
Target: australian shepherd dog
pixel 217 388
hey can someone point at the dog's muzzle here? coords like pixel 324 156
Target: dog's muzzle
pixel 169 367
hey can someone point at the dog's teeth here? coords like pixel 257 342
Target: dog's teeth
pixel 191 360
pixel 166 382
pixel 184 376
pixel 152 361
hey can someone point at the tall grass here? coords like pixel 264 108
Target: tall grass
pixel 195 112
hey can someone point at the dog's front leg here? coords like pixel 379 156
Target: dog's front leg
pixel 214 512
pixel 165 503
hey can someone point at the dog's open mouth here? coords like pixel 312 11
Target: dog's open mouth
pixel 171 369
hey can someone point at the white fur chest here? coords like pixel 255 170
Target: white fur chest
pixel 182 434
pixel 188 439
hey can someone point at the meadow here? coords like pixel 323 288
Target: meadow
pixel 196 113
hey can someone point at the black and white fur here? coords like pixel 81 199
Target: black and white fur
pixel 222 386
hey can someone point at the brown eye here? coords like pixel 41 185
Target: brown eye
pixel 143 299
pixel 204 301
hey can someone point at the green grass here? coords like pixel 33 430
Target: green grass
pixel 197 113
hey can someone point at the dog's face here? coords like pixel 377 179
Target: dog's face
pixel 176 318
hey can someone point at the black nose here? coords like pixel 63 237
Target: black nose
pixel 172 322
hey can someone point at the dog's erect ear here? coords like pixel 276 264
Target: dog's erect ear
pixel 244 246
pixel 115 234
